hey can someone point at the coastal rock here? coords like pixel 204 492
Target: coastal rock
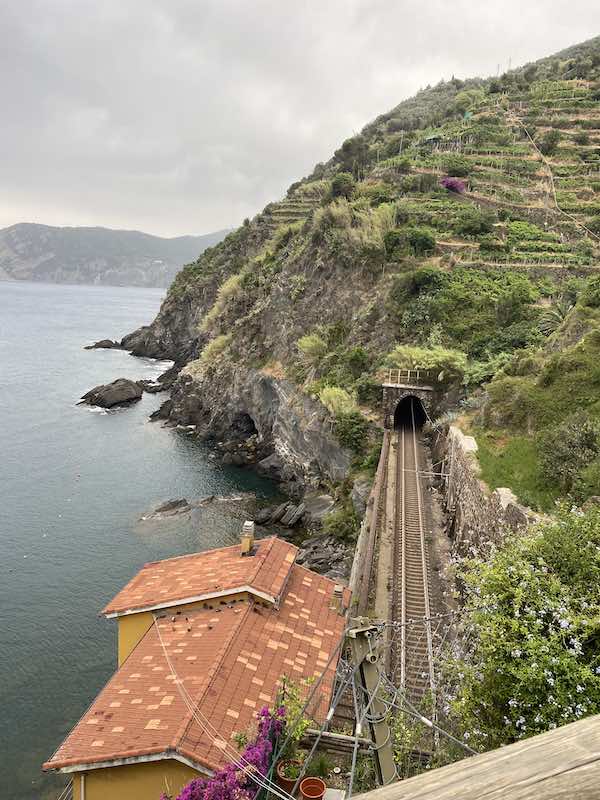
pixel 292 441
pixel 121 392
pixel 163 411
pixel 326 555
pixel 287 514
pixel 152 387
pixel 317 506
pixel 170 508
pixel 104 344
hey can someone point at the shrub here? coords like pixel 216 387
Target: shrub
pixel 352 431
pixel 456 166
pixel 548 144
pixel 214 349
pixel 582 138
pixel 357 360
pixel 227 291
pixel 590 296
pixel 453 185
pixel 449 364
pixel 421 240
pixel 533 610
pixel 368 391
pixel 394 243
pixel 344 524
pixel 424 280
pixel 593 224
pixel 566 449
pixel 343 185
pixel 337 401
pixel 313 347
pixel 473 221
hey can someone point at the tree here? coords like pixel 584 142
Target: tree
pixel 343 185
pixel 421 240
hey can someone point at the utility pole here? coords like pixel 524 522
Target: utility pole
pixel 365 643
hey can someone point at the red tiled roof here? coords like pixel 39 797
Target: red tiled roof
pixel 213 572
pixel 228 660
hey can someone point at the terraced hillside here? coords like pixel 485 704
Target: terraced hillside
pixel 460 232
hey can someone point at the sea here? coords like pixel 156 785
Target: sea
pixel 75 483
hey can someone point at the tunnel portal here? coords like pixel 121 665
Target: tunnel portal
pixel 409 408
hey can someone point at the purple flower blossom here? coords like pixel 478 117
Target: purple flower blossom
pixel 453 185
pixel 234 781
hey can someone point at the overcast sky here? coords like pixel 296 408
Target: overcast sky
pixel 180 117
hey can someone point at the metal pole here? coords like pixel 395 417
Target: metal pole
pixel 365 644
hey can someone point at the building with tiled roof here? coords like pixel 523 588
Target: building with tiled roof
pixel 204 641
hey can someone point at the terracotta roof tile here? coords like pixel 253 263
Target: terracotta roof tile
pixel 228 664
pixel 212 572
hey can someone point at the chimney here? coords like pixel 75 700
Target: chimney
pixel 247 538
pixel 337 600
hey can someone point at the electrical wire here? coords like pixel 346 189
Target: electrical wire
pixel 206 725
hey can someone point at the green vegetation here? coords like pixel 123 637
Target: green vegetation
pixel 337 401
pixel 513 461
pixel 534 614
pixel 214 350
pixel 448 365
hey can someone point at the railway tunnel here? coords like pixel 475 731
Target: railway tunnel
pixel 409 411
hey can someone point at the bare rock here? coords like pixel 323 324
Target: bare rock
pixel 104 344
pixel 122 392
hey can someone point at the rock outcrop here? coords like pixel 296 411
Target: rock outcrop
pixel 122 392
pixel 289 431
pixel 104 344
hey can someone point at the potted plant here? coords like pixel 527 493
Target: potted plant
pixel 312 788
pixel 287 770
pixel 288 767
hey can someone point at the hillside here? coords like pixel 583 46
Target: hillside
pixel 459 231
pixel 34 252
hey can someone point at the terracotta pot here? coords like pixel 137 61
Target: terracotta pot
pixel 312 788
pixel 287 784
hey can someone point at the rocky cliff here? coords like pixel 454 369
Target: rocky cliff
pixel 96 255
pixel 437 235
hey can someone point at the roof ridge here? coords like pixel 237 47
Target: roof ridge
pixel 268 540
pixel 200 553
pixel 189 718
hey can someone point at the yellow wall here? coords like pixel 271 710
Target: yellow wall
pixel 131 629
pixel 134 781
pixel 133 626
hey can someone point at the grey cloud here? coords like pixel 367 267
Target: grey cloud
pixel 184 117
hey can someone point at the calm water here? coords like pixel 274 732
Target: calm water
pixel 73 485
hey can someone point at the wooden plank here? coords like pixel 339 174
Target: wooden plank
pixel 563 764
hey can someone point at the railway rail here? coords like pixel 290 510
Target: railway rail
pixel 411 651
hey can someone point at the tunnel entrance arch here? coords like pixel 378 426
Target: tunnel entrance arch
pixel 410 408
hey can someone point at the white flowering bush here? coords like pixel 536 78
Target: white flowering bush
pixel 533 661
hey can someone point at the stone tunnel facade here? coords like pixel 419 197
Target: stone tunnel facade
pixel 392 395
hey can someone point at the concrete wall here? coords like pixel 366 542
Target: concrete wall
pixel 476 516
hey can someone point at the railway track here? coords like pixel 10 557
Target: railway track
pixel 411 651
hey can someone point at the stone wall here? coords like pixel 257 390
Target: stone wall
pixel 392 395
pixel 477 517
